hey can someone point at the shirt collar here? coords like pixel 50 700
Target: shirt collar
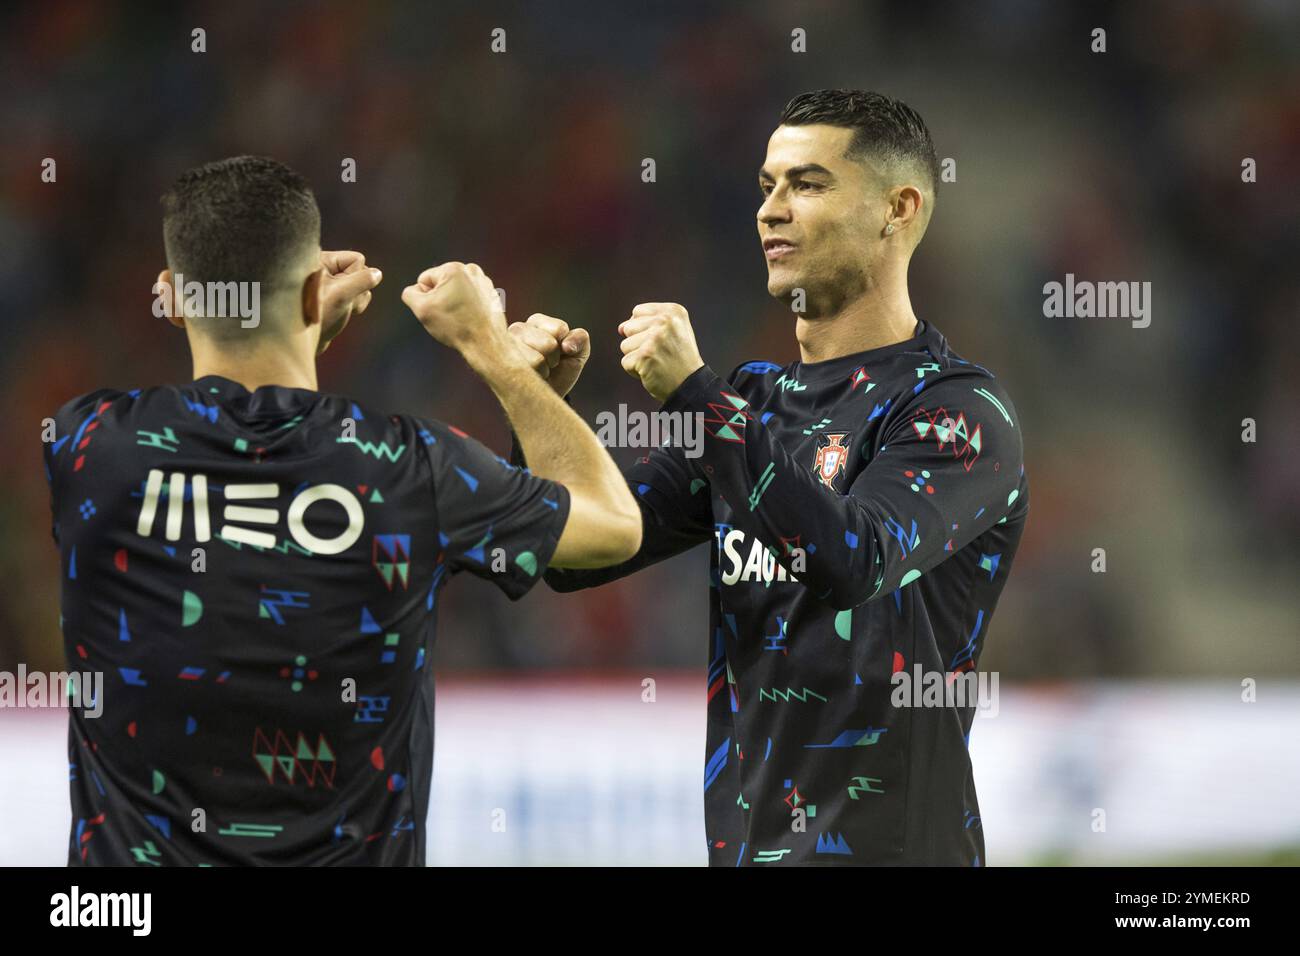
pixel 264 401
pixel 926 339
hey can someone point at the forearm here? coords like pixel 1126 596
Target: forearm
pixel 556 442
pixel 604 524
pixel 675 517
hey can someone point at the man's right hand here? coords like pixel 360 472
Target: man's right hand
pixel 557 352
pixel 458 305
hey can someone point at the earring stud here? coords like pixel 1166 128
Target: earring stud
pixel 889 229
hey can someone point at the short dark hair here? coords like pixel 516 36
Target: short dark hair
pixel 242 219
pixel 883 128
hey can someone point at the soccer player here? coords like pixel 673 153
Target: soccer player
pixel 254 565
pixel 865 504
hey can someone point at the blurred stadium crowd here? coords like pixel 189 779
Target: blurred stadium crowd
pixel 1117 166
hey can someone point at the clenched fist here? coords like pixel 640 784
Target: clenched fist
pixel 659 347
pixel 344 291
pixel 458 305
pixel 557 352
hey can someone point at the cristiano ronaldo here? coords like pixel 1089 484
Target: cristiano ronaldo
pixel 864 505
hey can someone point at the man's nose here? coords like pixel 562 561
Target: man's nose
pixel 773 210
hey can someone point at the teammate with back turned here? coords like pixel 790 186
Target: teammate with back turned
pixel 866 504
pixel 255 564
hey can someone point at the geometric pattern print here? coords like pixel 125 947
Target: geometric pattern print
pixel 391 556
pixel 720 675
pixel 287 599
pixel 786 697
pixel 292 759
pixel 728 420
pixel 940 425
pixel 82 438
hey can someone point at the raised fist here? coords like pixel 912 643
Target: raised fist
pixel 458 305
pixel 659 347
pixel 557 352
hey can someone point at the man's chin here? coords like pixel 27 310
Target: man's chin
pixel 781 286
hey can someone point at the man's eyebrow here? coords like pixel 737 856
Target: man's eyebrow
pixel 794 171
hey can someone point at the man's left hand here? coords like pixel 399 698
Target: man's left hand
pixel 345 286
pixel 659 347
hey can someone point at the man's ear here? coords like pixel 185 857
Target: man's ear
pixel 175 310
pixel 311 298
pixel 906 205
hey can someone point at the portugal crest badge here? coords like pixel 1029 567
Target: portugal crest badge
pixel 832 456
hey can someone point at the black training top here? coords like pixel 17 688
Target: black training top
pixel 865 512
pixel 255 574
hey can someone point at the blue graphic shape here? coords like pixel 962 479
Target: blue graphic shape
pixel 716 764
pixel 469 479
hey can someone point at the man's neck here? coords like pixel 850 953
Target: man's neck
pixel 253 370
pixel 870 321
